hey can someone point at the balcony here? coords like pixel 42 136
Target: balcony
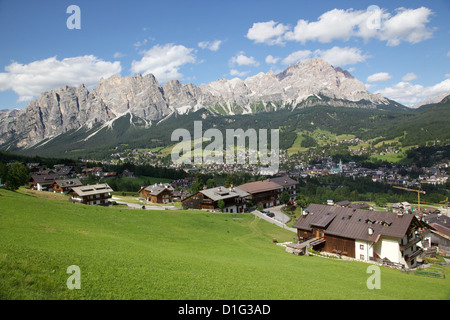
pixel 413 255
pixel 88 199
pixel 410 243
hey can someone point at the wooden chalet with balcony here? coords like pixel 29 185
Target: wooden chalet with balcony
pixel 235 199
pixel 397 239
pixel 98 194
pixel 64 186
pixel 43 182
pixel 267 192
pixel 157 193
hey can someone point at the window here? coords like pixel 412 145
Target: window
pixel 361 256
pixel 361 247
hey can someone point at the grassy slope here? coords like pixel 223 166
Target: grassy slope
pixel 134 254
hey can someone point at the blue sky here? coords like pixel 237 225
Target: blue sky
pixel 400 49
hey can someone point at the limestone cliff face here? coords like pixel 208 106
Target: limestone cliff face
pixel 53 113
pixel 59 111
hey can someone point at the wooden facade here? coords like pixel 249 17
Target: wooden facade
pixel 93 199
pixel 64 186
pixel 157 193
pixel 199 201
pixel 164 196
pixel 98 194
pixel 363 234
pixel 267 192
pixel 234 200
pixel 340 245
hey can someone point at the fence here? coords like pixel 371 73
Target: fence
pixel 431 271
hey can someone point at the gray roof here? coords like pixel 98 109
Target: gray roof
pixel 284 181
pixel 268 185
pixel 45 178
pixel 354 223
pixel 260 186
pixel 92 189
pixel 157 188
pixel 69 183
pixel 221 193
pixel 343 203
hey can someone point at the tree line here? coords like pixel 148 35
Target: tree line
pixel 339 188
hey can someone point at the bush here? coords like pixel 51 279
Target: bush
pixel 260 207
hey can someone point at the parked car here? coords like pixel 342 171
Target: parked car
pixel 271 214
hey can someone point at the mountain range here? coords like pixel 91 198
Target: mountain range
pixel 145 103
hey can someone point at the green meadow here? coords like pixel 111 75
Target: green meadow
pixel 177 255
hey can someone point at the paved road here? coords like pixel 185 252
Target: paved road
pixel 280 216
pixel 280 219
pixel 277 220
pixel 147 207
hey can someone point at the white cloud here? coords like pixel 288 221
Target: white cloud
pixel 411 94
pixel 213 46
pixel 271 59
pixel 297 56
pixel 237 73
pixel 29 80
pixel 164 61
pixel 408 25
pixel 242 60
pixel 409 77
pixel 368 85
pixel 139 44
pixel 118 55
pixel 269 32
pixel 335 24
pixel 338 56
pixel 379 77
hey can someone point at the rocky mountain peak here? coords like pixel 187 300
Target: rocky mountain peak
pixel 70 108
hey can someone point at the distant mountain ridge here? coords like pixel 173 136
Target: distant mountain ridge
pixel 436 99
pixel 309 83
pixel 414 127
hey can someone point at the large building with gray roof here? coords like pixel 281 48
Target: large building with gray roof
pixel 234 199
pixel 365 234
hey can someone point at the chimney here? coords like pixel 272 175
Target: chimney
pixel 370 230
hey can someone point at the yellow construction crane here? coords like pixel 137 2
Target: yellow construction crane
pixel 419 191
pixel 443 203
